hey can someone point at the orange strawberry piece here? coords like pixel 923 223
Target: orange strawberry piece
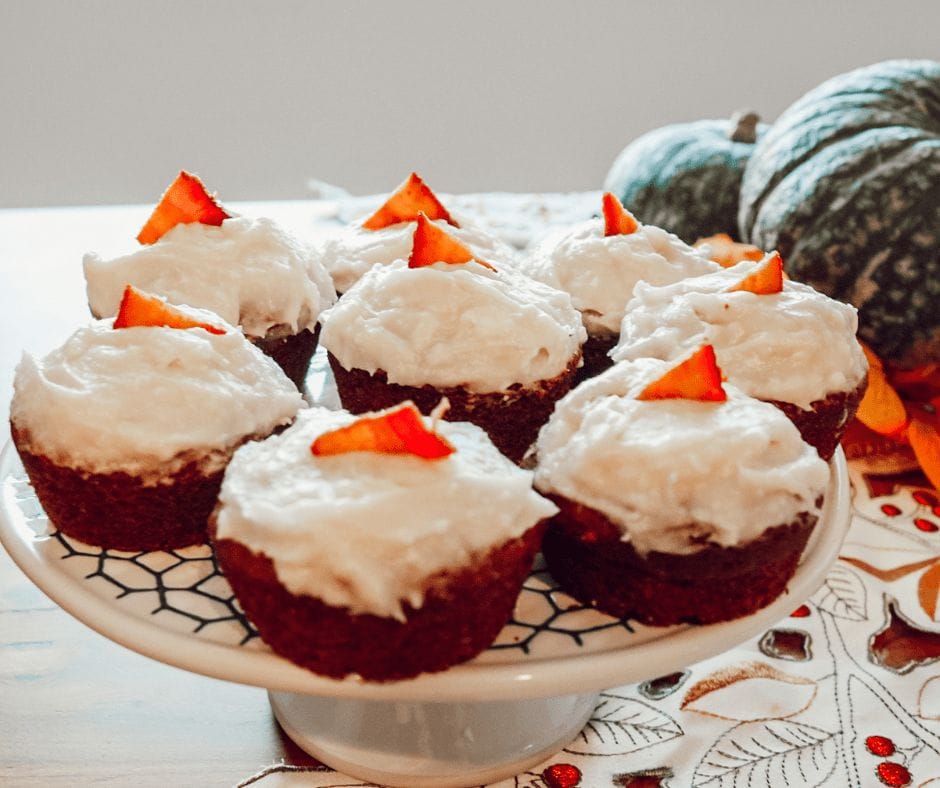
pixel 617 220
pixel 697 377
pixel 432 245
pixel 881 409
pixel 412 197
pixel 924 438
pixel 185 202
pixel 767 279
pixel 142 309
pixel 727 252
pixel 400 431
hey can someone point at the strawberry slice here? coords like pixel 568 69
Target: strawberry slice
pixel 412 197
pixel 881 408
pixel 185 202
pixel 617 220
pixel 400 431
pixel 766 279
pixel 142 309
pixel 697 377
pixel 725 251
pixel 432 245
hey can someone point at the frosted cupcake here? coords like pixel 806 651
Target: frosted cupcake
pixel 777 340
pixel 383 546
pixel 386 235
pixel 500 346
pixel 247 270
pixel 681 499
pixel 126 428
pixel 598 263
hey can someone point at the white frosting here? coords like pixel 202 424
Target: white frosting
pixel 795 346
pixel 351 251
pixel 453 325
pixel 365 531
pixel 249 271
pixel 666 471
pixel 601 271
pixel 135 399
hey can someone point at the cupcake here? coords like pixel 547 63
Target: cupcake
pixel 681 498
pixel 598 262
pixel 383 546
pixel 126 428
pixel 247 270
pixel 500 346
pixel 386 235
pixel 777 340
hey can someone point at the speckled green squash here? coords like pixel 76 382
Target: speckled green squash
pixel 846 185
pixel 686 177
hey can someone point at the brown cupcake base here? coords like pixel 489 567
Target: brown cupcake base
pixel 585 554
pixel 512 418
pixel 292 352
pixel 824 424
pixel 596 360
pixel 119 512
pixel 462 614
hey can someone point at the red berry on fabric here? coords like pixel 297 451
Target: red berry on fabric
pixel 894 774
pixel 880 745
pixel 562 775
pixel 923 524
pixel 925 498
pixel 801 612
pixel 890 509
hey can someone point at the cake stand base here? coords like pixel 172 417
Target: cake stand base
pixel 427 744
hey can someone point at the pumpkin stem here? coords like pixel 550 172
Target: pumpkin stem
pixel 743 126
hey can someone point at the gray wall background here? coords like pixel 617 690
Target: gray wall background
pixel 102 102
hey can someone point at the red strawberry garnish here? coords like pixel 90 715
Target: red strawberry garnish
pixel 697 377
pixel 399 431
pixel 617 220
pixel 432 245
pixel 766 279
pixel 414 196
pixel 185 202
pixel 142 309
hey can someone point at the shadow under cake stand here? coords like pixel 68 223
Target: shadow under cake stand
pixel 523 699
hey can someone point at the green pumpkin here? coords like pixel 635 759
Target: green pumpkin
pixel 686 177
pixel 846 185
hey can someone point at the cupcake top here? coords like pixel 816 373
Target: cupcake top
pixel 453 325
pixel 599 268
pixel 143 399
pixel 795 346
pixel 248 270
pixel 363 530
pixel 675 474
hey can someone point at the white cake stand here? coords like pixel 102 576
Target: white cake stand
pixel 479 722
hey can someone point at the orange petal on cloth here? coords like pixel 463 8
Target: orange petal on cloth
pixel 697 377
pixel 414 196
pixel 184 202
pixel 617 220
pixel 142 309
pixel 432 245
pixel 924 438
pixel 881 409
pixel 725 251
pixel 400 431
pixel 928 588
pixel 767 279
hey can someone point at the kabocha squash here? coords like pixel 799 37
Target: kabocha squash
pixel 686 177
pixel 846 185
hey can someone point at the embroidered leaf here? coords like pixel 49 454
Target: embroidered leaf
pixel 748 692
pixel 843 594
pixel 900 645
pixel 622 725
pixel 928 587
pixel 928 699
pixel 776 752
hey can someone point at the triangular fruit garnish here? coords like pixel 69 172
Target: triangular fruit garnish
pixel 617 220
pixel 724 250
pixel 697 377
pixel 412 197
pixel 881 408
pixel 766 279
pixel 399 431
pixel 142 309
pixel 185 202
pixel 432 245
